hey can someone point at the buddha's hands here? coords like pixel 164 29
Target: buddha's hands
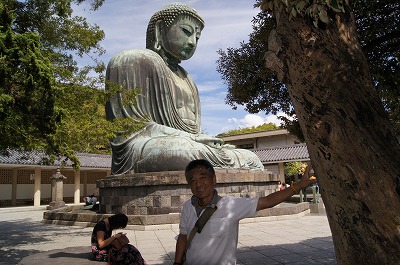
pixel 200 138
pixel 209 140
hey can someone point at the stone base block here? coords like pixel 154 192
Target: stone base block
pixel 55 205
pixel 78 216
pixel 160 193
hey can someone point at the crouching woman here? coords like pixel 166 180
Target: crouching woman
pixel 102 238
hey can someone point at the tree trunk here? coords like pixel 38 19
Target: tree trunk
pixel 354 152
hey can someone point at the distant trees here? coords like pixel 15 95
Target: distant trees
pixel 293 169
pixel 259 128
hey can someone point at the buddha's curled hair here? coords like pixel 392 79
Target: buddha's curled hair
pixel 168 14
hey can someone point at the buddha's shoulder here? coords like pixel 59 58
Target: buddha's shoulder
pixel 135 55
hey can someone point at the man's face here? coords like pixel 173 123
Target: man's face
pixel 180 41
pixel 202 183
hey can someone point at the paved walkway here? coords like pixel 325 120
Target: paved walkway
pixel 297 240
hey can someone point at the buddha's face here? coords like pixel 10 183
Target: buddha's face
pixel 180 41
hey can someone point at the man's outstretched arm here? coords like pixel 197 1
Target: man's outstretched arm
pixel 280 196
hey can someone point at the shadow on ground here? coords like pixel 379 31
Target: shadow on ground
pixel 71 255
pixel 317 250
pixel 18 237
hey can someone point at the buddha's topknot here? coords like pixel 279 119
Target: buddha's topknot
pixel 168 14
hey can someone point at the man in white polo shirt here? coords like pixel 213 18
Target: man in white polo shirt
pixel 217 242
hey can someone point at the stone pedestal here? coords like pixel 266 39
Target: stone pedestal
pixel 165 192
pixel 57 191
pixel 54 205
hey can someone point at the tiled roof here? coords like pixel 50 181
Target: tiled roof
pixel 38 157
pixel 95 160
pixel 296 152
pixel 288 153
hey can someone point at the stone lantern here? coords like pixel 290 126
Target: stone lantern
pixel 57 196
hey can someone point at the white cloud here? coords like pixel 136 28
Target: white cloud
pixel 217 124
pixel 210 86
pixel 274 118
pixel 248 121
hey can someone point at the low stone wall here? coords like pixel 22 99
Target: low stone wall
pixel 79 216
pixel 154 200
pixel 165 192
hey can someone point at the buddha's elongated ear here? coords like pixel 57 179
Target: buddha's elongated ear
pixel 158 28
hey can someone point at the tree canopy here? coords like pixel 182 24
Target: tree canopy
pixel 41 84
pixel 252 84
pixel 28 116
pixel 293 169
pixel 63 36
pixel 84 127
pixel 379 33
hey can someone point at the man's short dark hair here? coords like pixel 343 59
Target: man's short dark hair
pixel 198 163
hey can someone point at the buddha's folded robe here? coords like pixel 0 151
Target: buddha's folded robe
pixel 168 141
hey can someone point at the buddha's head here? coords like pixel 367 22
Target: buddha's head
pixel 173 32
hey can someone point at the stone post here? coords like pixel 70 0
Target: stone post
pixel 316 206
pixel 38 183
pixel 57 196
pixel 77 187
pixel 315 192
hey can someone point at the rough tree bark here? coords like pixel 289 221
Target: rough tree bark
pixel 352 147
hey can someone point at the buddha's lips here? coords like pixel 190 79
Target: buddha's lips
pixel 188 50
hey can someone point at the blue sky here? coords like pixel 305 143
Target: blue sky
pixel 227 24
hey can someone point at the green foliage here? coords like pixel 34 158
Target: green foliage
pixel 379 33
pixel 319 11
pixel 28 117
pixel 263 127
pixel 63 36
pixel 251 84
pixel 292 126
pixel 84 127
pixel 293 169
pixel 46 101
pixel 249 81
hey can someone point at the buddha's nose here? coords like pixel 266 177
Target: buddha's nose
pixel 192 41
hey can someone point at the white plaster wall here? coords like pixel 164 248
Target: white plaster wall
pixel 25 191
pixel 91 189
pixel 274 168
pixel 5 191
pixel 69 190
pixel 274 141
